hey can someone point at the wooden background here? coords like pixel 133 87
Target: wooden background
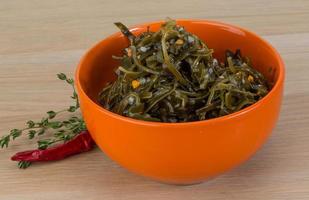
pixel 41 38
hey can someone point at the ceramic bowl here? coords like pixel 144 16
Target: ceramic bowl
pixel 181 153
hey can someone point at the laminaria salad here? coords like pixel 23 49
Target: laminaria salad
pixel 171 76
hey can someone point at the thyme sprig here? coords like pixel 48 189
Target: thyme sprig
pixel 61 130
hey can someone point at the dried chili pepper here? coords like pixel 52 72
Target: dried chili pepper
pixel 81 143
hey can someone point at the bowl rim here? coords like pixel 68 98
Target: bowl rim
pixel 278 83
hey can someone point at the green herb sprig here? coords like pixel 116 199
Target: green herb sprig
pixel 61 130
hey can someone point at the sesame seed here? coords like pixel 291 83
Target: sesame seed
pixel 190 39
pixel 143 49
pixel 215 62
pixel 131 100
pixel 142 80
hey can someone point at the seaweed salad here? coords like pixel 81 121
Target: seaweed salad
pixel 171 76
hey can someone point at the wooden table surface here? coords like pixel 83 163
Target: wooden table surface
pixel 41 38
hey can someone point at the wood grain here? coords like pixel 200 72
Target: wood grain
pixel 41 38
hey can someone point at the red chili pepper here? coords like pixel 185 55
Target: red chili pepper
pixel 81 143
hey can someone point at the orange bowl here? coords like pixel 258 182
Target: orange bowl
pixel 181 153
